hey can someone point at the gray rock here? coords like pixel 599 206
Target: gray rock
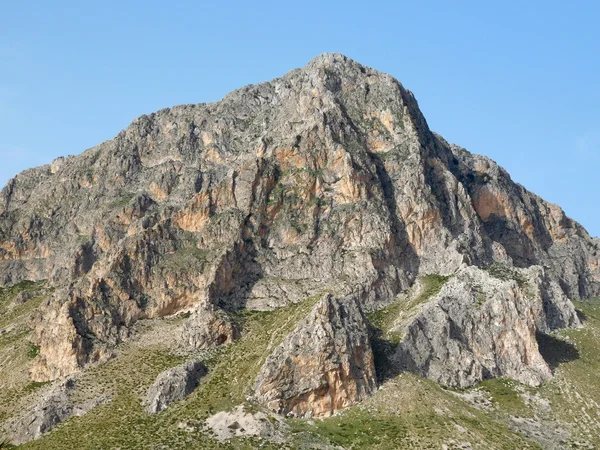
pixel 327 178
pixel 53 407
pixel 22 297
pixel 173 385
pixel 324 365
pixel 225 425
pixel 207 328
pixel 477 327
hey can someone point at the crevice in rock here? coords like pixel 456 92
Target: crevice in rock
pixel 404 254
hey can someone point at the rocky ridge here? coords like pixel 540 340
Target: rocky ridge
pixel 480 327
pixel 325 180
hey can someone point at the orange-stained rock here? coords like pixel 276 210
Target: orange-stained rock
pixel 488 202
pixel 326 177
pixel 325 365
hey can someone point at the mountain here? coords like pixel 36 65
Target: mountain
pixel 282 255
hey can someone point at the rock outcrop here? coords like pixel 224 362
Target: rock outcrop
pixel 207 328
pixel 325 180
pixel 478 327
pixel 225 425
pixel 173 385
pixel 22 297
pixel 53 407
pixel 324 365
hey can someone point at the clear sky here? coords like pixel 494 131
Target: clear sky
pixel 518 81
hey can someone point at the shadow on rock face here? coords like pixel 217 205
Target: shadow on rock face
pixel 383 350
pixel 581 315
pixel 405 254
pixel 236 277
pixel 556 351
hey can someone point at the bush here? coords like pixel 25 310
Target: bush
pixel 33 351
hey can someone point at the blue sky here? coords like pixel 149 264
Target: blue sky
pixel 516 81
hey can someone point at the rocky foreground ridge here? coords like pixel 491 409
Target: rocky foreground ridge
pixel 325 184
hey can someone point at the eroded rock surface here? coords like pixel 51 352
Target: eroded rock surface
pixel 53 407
pixel 325 180
pixel 207 328
pixel 225 425
pixel 478 327
pixel 173 385
pixel 324 365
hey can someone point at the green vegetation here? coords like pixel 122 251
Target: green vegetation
pixel 33 351
pixel 574 392
pixel 123 200
pixel 6 444
pixel 386 333
pixel 234 367
pixel 84 239
pixel 34 386
pixel 7 294
pixel 315 173
pixel 385 318
pixel 186 258
pixel 432 285
pixel 16 350
pixel 503 392
pixel 316 201
pixel 479 295
pixel 16 313
pixel 123 423
pixel 407 412
pixel 505 273
pixel 277 193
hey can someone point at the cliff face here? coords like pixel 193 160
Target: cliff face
pixel 482 324
pixel 324 365
pixel 325 180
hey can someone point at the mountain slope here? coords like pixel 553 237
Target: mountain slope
pixel 323 184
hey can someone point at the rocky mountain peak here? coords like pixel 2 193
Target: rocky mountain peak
pixel 324 182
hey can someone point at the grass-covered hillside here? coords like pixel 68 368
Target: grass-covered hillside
pixel 406 412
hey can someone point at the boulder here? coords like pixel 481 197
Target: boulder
pixel 173 385
pixel 53 406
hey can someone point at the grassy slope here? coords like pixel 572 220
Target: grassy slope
pixel 122 422
pixel 410 412
pixel 407 412
pixel 15 348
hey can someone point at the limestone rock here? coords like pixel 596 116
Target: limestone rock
pixel 326 179
pixel 225 425
pixel 53 407
pixel 22 297
pixel 477 327
pixel 324 365
pixel 207 328
pixel 173 385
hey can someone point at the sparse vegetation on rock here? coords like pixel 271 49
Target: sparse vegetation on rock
pixel 316 252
